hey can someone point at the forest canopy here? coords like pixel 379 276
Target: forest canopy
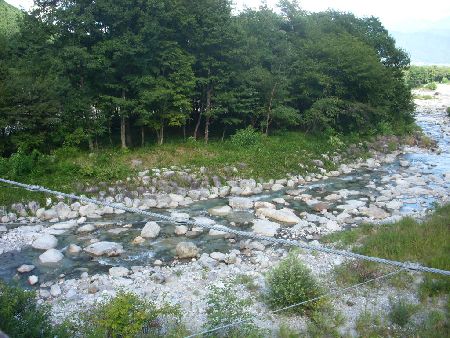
pixel 84 73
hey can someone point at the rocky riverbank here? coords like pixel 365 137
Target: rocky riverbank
pixel 76 254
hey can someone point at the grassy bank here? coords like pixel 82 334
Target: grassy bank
pixel 427 243
pixel 69 169
pixel 254 155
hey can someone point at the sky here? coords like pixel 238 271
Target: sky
pixel 398 15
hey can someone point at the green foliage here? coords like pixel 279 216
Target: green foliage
pixel 371 325
pixel 431 86
pixel 401 312
pixel 224 307
pixel 247 137
pixel 448 111
pixel 285 331
pixel 417 76
pixel 21 316
pixel 385 128
pixel 325 323
pixel 406 240
pixel 355 272
pixel 126 315
pixel 341 116
pixel 435 325
pixel 123 71
pixel 291 282
pixel 247 281
pixel 9 18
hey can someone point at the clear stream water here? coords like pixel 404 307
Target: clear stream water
pixel 427 163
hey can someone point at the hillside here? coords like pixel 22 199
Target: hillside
pixel 8 18
pixel 419 45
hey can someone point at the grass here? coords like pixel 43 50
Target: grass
pixel 401 312
pixel 247 281
pixel 423 97
pixel 69 169
pixel 427 243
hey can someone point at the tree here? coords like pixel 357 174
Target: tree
pixel 212 43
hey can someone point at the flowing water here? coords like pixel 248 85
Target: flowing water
pixel 431 117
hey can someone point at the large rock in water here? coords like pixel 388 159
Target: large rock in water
pixel 150 230
pixel 283 215
pixel 186 250
pixel 220 211
pixel 51 256
pixel 240 203
pixel 375 212
pixel 45 242
pixel 265 228
pixel 104 249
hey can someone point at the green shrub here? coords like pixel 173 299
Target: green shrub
pixel 385 128
pixel 21 316
pixel 431 86
pixel 246 137
pixel 126 315
pixel 354 272
pixel 75 138
pixel 401 312
pixel 371 325
pixel 325 324
pixel 341 116
pixel 284 331
pixel 448 111
pixel 225 307
pixel 291 282
pixel 247 281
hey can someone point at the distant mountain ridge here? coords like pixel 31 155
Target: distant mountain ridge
pixel 429 44
pixel 8 18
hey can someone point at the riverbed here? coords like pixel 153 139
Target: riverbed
pixel 381 189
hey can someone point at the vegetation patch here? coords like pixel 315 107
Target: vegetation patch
pixel 225 307
pixel 128 316
pixel 291 282
pixel 21 316
pixel 407 240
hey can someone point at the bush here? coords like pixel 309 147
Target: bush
pixel 21 316
pixel 401 312
pixel 371 325
pixel 325 324
pixel 431 86
pixel 291 282
pixel 246 137
pixel 126 315
pixel 448 111
pixel 225 307
pixel 341 116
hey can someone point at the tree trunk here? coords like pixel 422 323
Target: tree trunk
pixel 207 129
pixel 223 133
pixel 184 132
pixel 142 136
pixel 157 135
pixel 161 134
pixel 129 135
pixel 91 144
pixel 208 112
pixel 269 108
pixel 123 139
pixel 110 133
pixel 197 125
pixel 123 126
